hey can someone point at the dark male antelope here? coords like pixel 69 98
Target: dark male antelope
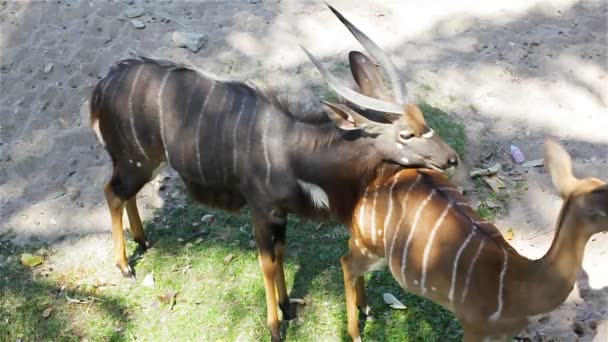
pixel 437 247
pixel 235 145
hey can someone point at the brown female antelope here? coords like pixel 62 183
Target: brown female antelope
pixel 235 145
pixel 438 248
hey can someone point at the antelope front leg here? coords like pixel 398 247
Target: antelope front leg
pixel 116 205
pixel 288 308
pixel 350 292
pixel 269 229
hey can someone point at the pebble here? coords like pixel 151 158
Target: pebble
pixel 148 280
pixel 193 41
pixel 138 24
pixel 48 68
pixel 208 219
pixel 134 12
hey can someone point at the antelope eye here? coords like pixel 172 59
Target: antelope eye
pixel 404 135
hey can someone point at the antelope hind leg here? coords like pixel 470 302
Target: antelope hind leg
pixel 116 206
pixel 137 229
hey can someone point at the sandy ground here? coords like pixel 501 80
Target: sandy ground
pixel 513 72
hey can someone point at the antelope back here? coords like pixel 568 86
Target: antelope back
pixel 430 236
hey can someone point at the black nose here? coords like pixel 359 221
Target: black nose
pixel 453 161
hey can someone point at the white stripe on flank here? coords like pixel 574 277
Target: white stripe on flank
pixel 429 245
pixel 373 232
pixel 396 232
pixel 198 129
pixel 389 212
pixel 495 316
pixel 265 148
pixel 411 235
pixel 471 266
pixel 362 210
pixel 236 125
pixel 455 264
pixel 161 114
pixel 132 120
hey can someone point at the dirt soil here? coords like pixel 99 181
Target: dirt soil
pixel 514 72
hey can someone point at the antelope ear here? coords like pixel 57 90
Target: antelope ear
pixel 559 165
pixel 367 75
pixel 344 117
pixel 597 201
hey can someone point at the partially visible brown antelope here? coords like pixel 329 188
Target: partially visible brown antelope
pixel 236 145
pixel 437 247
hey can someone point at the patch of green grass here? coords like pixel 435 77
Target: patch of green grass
pixel 215 300
pixel 451 131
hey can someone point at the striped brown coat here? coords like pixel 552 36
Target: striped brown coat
pixel 437 247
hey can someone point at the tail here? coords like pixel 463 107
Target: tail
pixel 95 107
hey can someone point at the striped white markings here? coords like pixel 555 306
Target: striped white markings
pixel 362 210
pixel 411 235
pixel 501 281
pixel 234 130
pixel 265 149
pixel 429 245
pixel 131 119
pixel 389 212
pixel 373 218
pixel 198 129
pixel 161 114
pixel 398 227
pixel 456 260
pixel 470 271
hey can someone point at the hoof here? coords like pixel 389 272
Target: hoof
pixel 275 336
pixel 290 309
pixel 144 245
pixel 127 271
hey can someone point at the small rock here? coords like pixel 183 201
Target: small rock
pixel 134 12
pixel 188 245
pixel 252 244
pixel 191 40
pixel 48 68
pixel 148 280
pixel 138 24
pixel 208 219
pixel 195 224
pixel 47 312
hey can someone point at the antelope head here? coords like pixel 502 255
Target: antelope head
pixel 398 129
pixel 586 200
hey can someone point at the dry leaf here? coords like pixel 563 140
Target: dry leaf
pixel 509 235
pixel 47 312
pixel 228 258
pixel 297 300
pixel 167 298
pixel 30 260
pixel 534 163
pixel 492 170
pixel 494 182
pixel 393 302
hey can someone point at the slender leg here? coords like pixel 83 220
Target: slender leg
pixel 287 307
pixel 116 205
pixel 351 305
pixel 362 297
pixel 266 230
pixel 137 229
pixel 354 265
